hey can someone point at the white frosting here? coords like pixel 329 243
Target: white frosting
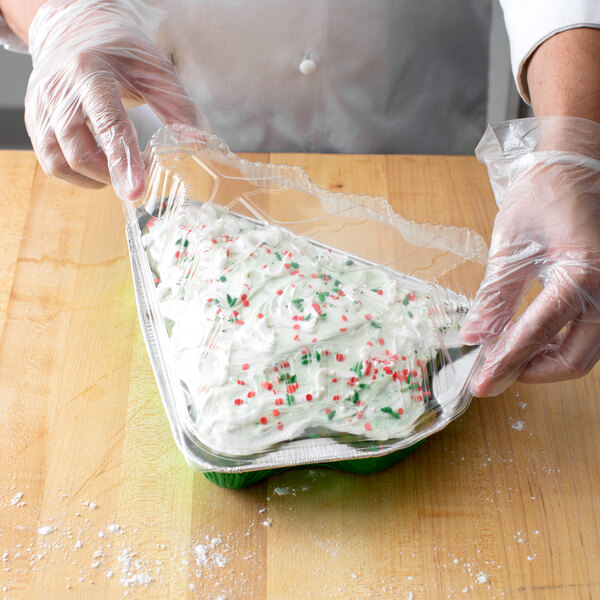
pixel 275 338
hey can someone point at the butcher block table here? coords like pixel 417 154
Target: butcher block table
pixel 97 502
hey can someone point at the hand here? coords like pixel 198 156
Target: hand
pixel 546 177
pixel 89 57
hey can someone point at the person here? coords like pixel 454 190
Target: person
pixel 351 76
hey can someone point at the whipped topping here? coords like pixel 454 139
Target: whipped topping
pixel 276 338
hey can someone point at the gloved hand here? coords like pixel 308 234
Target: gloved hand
pixel 546 178
pixel 90 57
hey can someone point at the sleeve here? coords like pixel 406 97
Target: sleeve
pixel 529 23
pixel 9 40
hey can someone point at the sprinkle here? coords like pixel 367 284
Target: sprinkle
pixel 343 329
pixel 240 382
pixel 279 425
pixel 263 420
pixel 275 413
pixel 309 397
pixel 239 401
pixel 368 317
pixel 296 326
pixel 336 398
pixel 381 341
pixel 245 367
pixel 260 315
pixel 330 414
pixel 251 394
pixel 368 426
pixel 344 318
pixel 278 401
pixel 267 385
pixel 339 357
pixel 279 292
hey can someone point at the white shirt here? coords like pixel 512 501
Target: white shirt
pixel 387 76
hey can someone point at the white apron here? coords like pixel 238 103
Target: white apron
pixel 380 76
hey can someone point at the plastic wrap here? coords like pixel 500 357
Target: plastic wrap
pixel 290 325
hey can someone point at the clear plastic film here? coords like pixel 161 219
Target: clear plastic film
pixel 292 325
pixel 545 173
pixel 92 59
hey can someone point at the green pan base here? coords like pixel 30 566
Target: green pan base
pixel 363 466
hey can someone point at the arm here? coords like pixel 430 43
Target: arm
pixel 563 75
pixel 546 177
pixel 18 15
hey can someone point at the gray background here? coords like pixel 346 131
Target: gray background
pixel 503 100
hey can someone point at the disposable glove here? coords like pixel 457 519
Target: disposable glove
pixel 91 59
pixel 545 174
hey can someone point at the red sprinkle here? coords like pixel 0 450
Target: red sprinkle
pixel 400 411
pixel 275 413
pixel 381 341
pixel 279 425
pixel 339 357
pixel 267 385
pixel 239 401
pixel 368 426
pixel 342 329
pixel 278 401
pixel 251 394
pixel 296 326
pixel 263 420
pixel 260 315
pixel 336 398
pixel 279 292
pixel 308 397
pixel 245 367
pixel 240 382
pixel 368 317
pixel 344 318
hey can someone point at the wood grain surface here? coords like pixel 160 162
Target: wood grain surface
pixel 504 503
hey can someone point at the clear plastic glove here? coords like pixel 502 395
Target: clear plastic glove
pixel 91 59
pixel 545 174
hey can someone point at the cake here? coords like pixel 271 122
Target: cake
pixel 276 338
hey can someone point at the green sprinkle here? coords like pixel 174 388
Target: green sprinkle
pixel 291 378
pixel 318 356
pixel 405 299
pixel 322 315
pixel 307 317
pixel 375 324
pixel 390 411
pixel 298 302
pixel 337 283
pixel 278 255
pixel 294 265
pixel 222 278
pixel 410 314
pixel 290 399
pixel 169 325
pixel 331 414
pixel 321 296
pixel 357 368
pixel 364 386
pixel 349 263
pixel 231 301
pixel 355 397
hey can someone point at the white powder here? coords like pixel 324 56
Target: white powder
pixel 267 522
pixel 45 530
pixel 16 499
pixel 114 528
pixel 518 425
pixel 482 578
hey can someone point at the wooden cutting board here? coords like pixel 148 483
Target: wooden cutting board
pixel 96 501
